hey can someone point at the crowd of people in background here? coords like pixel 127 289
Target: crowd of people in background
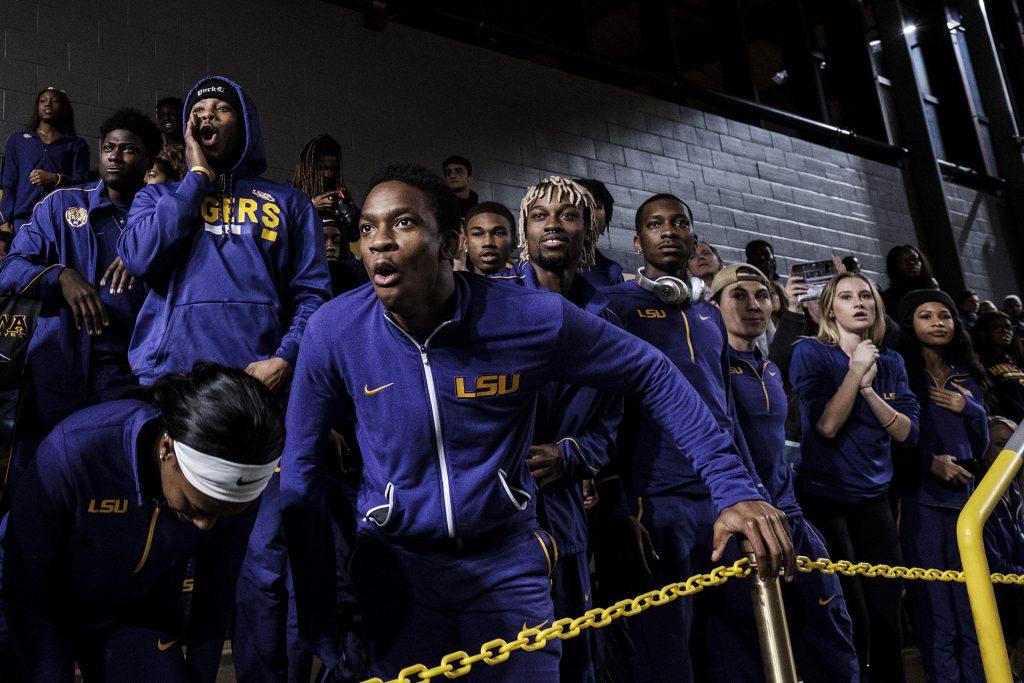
pixel 367 436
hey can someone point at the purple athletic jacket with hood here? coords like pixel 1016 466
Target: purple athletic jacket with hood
pixel 235 267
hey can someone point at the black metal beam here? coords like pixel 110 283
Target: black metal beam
pixel 1002 125
pixel 923 177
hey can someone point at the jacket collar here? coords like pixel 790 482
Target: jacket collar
pixel 582 293
pixel 136 422
pixel 463 298
pixel 96 197
pixel 759 358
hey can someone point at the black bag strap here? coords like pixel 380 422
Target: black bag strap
pixel 41 273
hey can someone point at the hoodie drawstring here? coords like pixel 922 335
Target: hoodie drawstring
pixel 225 187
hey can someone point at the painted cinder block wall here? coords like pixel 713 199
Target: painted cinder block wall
pixel 405 94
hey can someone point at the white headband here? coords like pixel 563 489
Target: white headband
pixel 223 480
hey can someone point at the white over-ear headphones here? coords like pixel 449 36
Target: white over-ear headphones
pixel 672 290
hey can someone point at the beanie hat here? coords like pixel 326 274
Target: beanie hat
pixel 912 299
pixel 214 87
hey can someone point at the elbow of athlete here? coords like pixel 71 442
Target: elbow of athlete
pixel 134 261
pixel 826 428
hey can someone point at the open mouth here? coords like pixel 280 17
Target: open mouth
pixel 385 274
pixel 554 242
pixel 207 136
pixel 488 255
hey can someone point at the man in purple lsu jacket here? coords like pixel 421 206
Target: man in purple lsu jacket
pixel 667 310
pixel 79 353
pixel 574 434
pixel 815 609
pixel 235 263
pixel 441 378
pixel 125 536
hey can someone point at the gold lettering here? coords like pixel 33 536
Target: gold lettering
pixel 113 506
pixel 210 210
pixel 650 313
pixel 271 215
pixel 504 387
pixel 486 385
pixel 247 209
pixel 460 389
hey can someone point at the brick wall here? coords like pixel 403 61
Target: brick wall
pixel 405 94
pixel 978 223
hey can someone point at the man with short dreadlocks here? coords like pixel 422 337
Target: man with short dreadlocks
pixel 575 426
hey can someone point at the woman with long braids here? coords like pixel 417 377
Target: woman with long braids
pixel 126 535
pixel 45 156
pixel 854 402
pixel 936 476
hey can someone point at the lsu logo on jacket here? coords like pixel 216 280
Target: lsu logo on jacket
pixel 650 312
pixel 487 385
pixel 108 506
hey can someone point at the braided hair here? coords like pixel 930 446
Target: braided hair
pixel 558 187
pixel 308 177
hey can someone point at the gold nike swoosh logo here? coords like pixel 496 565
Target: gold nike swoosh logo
pixel 367 391
pixel 704 317
pixel 161 645
pixel 827 600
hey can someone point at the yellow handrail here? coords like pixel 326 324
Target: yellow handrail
pixel 970 539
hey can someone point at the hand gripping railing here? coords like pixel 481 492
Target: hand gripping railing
pixel 970 538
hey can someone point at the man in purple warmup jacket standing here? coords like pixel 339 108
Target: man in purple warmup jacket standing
pixel 440 374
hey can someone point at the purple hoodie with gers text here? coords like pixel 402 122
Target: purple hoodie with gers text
pixel 235 268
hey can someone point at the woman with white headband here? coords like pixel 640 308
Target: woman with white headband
pixel 123 546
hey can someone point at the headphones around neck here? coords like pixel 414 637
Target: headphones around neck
pixel 672 290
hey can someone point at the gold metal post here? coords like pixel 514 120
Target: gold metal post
pixel 772 631
pixel 969 528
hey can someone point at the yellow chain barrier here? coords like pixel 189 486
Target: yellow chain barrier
pixel 457 664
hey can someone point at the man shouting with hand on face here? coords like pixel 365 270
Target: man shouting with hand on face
pixel 235 263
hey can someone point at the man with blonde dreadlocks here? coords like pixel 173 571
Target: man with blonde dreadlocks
pixel 575 426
